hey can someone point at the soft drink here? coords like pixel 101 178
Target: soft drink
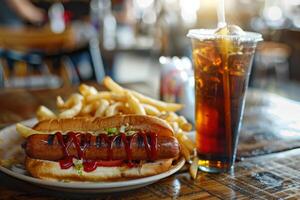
pixel 222 67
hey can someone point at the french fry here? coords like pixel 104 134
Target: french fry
pixel 103 105
pixel 181 120
pixel 69 102
pixel 185 141
pixel 171 117
pixel 194 167
pixel 163 115
pixel 77 104
pixel 89 108
pixel 86 109
pixel 183 124
pixel 60 102
pixel 44 113
pixel 134 104
pixel 188 142
pixel 25 131
pixel 113 86
pixel 151 110
pixel 113 109
pixel 126 109
pixel 185 152
pixel 72 112
pixel 86 90
pixel 160 105
pixel 106 95
pixel 175 126
pixel 186 127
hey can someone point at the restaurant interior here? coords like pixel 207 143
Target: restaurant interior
pixel 54 45
pixel 48 44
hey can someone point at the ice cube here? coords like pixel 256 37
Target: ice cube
pixel 239 63
pixel 206 56
pixel 227 44
pixel 230 30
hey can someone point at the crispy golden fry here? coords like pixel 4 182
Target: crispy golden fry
pixel 75 108
pixel 114 109
pixel 44 113
pixel 185 141
pixel 72 112
pixel 26 131
pixel 98 96
pixel 113 86
pixel 183 124
pixel 87 90
pixel 194 167
pixel 163 115
pixel 60 102
pixel 175 126
pixel 134 104
pixel 186 127
pixel 106 95
pixel 86 109
pixel 185 152
pixel 151 110
pixel 188 143
pixel 69 102
pixel 181 120
pixel 103 105
pixel 8 163
pixel 160 105
pixel 171 117
pixel 126 109
pixel 90 108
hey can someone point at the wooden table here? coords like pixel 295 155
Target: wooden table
pixel 268 165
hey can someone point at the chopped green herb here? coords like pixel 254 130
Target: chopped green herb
pixel 112 131
pixel 78 165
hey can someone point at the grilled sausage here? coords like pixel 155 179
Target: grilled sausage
pixel 48 147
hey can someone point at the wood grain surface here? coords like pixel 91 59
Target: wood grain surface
pixel 267 129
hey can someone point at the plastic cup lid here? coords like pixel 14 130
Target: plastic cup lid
pixel 208 34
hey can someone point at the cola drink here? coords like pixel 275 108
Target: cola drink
pixel 222 66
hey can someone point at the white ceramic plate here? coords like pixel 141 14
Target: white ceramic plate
pixel 10 148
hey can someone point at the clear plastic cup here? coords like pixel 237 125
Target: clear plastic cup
pixel 222 65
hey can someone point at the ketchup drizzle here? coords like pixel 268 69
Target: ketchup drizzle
pixel 82 141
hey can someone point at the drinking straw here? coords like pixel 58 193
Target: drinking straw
pixel 221 14
pixel 226 80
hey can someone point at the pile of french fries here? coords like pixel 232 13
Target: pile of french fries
pixel 90 102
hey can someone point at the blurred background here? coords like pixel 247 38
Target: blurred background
pixel 51 43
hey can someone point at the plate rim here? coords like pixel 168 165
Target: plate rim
pixel 95 185
pixel 88 185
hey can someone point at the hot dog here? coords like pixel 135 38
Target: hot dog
pixel 97 149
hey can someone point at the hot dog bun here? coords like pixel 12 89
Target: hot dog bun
pixel 51 170
pixel 139 122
